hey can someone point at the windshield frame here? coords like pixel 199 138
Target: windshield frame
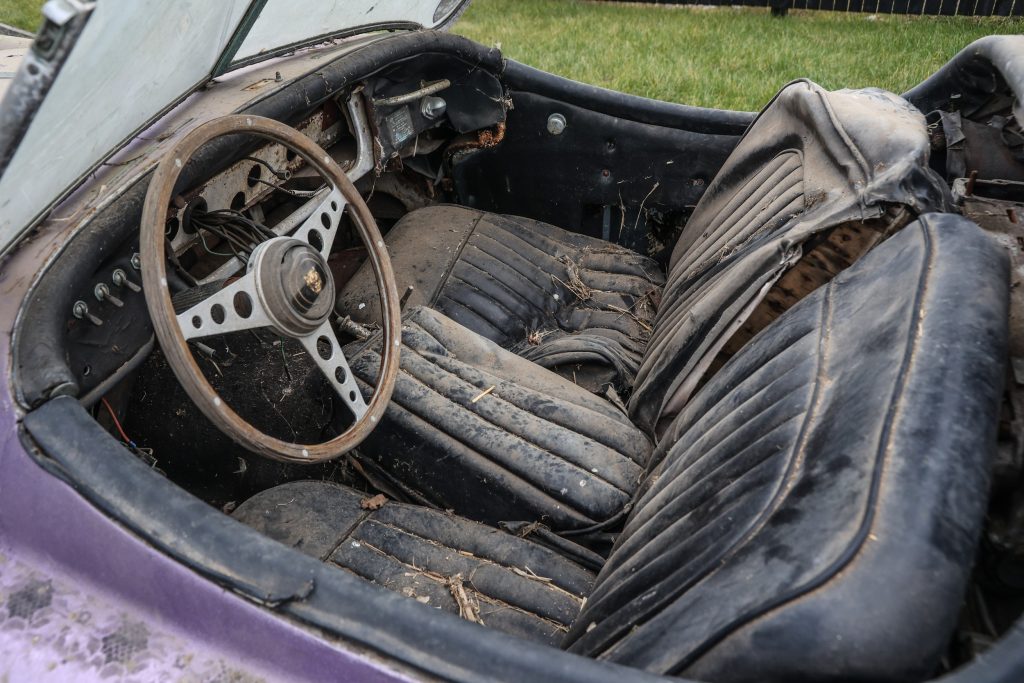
pixel 228 61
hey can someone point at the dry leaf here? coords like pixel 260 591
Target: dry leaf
pixel 375 503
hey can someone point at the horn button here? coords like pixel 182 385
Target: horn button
pixel 294 284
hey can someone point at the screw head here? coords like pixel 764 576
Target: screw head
pixel 556 124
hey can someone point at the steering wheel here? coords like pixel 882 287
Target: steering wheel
pixel 287 286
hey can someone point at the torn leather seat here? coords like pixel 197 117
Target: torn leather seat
pixel 812 514
pixel 484 575
pixel 575 304
pixel 477 429
pixel 818 179
pixel 814 511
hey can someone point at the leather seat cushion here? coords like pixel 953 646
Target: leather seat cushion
pixel 477 429
pixel 442 561
pixel 565 301
pixel 814 512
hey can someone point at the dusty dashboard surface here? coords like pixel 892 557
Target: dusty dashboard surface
pixel 393 133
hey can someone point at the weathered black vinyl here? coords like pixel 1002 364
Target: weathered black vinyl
pixel 520 587
pixel 822 496
pixel 531 447
pixel 506 279
pixel 986 75
pixel 812 160
pixel 648 175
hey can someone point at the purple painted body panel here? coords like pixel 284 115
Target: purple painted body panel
pixel 192 629
pixel 48 526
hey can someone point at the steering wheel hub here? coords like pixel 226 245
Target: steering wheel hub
pixel 294 285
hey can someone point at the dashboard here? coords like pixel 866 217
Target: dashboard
pixel 382 130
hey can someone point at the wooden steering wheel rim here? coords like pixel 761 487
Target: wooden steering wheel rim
pixel 169 334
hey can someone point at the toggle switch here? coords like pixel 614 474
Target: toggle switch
pixel 121 279
pixel 102 293
pixel 81 311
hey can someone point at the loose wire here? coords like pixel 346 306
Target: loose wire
pixel 283 175
pixel 295 193
pixel 239 233
pixel 117 423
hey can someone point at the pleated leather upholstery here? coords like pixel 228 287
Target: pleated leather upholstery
pixel 484 432
pixel 814 511
pixel 558 298
pixel 440 560
pixel 762 200
pixel 811 161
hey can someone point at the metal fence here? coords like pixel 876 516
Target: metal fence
pixel 975 8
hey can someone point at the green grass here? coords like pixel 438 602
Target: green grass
pixel 734 58
pixel 24 14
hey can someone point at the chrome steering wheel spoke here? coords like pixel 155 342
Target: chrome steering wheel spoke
pixel 323 346
pixel 322 225
pixel 234 308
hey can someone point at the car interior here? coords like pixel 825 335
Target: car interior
pixel 704 393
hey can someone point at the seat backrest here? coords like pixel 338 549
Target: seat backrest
pixel 812 160
pixel 814 511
